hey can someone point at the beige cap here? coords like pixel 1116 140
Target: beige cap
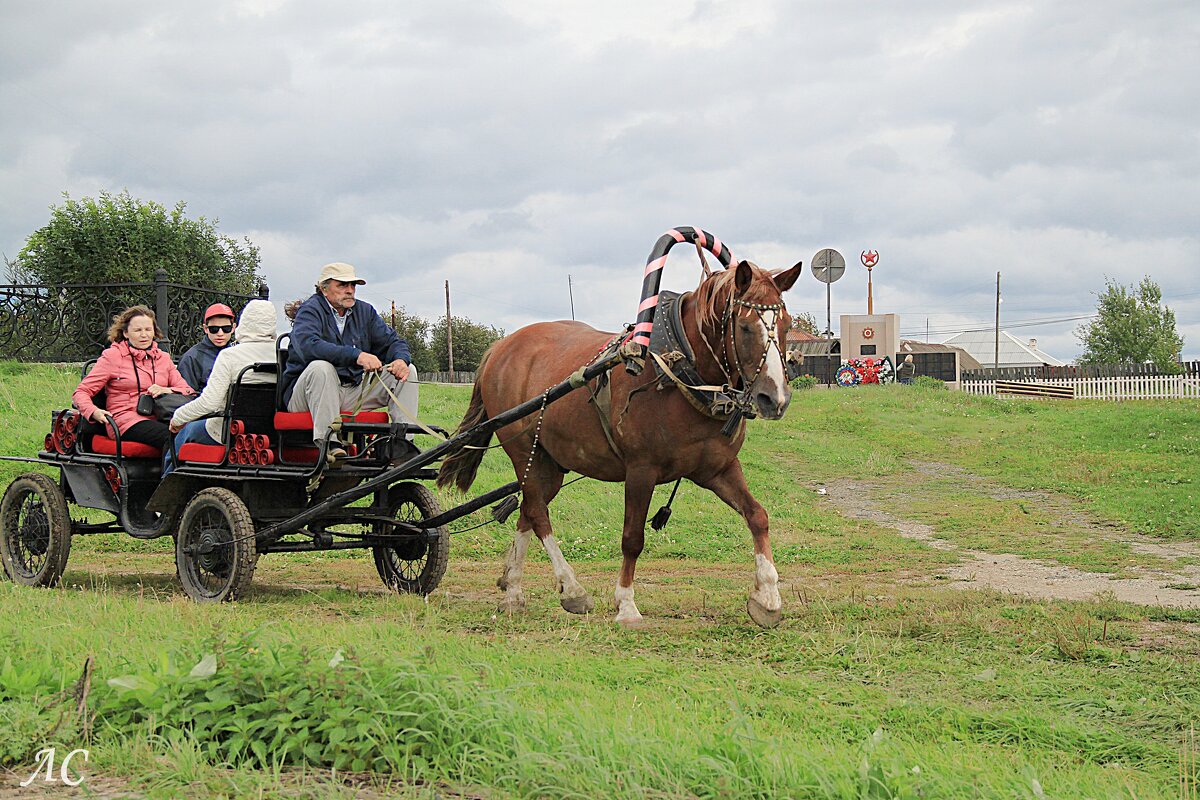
pixel 339 271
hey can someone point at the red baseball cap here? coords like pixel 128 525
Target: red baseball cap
pixel 218 310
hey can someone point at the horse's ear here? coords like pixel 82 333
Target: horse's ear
pixel 785 280
pixel 743 276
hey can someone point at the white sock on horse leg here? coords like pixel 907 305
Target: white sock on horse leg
pixel 514 564
pixel 568 584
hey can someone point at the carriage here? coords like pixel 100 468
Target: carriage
pixel 268 489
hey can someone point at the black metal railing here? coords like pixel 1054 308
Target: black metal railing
pixel 70 322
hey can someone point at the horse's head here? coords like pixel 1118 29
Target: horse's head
pixel 744 307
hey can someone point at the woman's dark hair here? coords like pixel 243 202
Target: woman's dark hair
pixel 120 324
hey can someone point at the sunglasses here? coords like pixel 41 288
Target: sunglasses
pixel 220 328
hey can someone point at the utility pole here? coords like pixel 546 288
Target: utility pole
pixel 449 332
pixel 927 329
pixel 571 292
pixel 996 356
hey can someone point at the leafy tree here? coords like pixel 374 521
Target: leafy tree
pixel 117 239
pixel 1131 327
pixel 415 331
pixel 470 340
pixel 804 322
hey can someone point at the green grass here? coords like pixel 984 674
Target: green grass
pixel 874 685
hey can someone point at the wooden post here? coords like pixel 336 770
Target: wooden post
pixel 449 332
pixel 996 361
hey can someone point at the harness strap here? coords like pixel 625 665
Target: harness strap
pixel 601 399
pixel 722 405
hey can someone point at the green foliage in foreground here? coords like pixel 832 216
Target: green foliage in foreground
pixel 906 695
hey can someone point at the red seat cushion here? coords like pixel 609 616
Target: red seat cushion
pixel 301 455
pixel 205 453
pixel 108 447
pixel 302 420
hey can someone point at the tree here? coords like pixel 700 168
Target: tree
pixel 415 331
pixel 804 322
pixel 118 239
pixel 470 340
pixel 1131 327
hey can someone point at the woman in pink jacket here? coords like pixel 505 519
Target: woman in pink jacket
pixel 131 366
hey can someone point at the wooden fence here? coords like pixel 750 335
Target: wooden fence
pixel 447 377
pixel 1095 382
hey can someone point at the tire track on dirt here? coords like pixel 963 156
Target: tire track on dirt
pixel 1014 574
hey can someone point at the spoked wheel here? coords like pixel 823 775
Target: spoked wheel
pixel 35 530
pixel 215 551
pixel 416 565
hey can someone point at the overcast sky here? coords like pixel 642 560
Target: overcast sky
pixel 506 145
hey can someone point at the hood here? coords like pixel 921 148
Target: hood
pixel 257 323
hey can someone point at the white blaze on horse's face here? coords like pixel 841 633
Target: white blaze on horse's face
pixel 770 390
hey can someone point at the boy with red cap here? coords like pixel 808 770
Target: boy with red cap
pixel 197 363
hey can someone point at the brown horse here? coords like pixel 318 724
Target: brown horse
pixel 735 322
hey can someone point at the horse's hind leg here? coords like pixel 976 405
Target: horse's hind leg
pixel 764 605
pixel 541 485
pixel 514 565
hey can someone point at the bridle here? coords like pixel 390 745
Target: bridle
pixel 729 333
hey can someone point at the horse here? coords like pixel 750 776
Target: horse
pixel 646 434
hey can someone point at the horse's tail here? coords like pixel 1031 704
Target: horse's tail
pixel 460 467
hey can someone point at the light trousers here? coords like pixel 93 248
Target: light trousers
pixel 320 392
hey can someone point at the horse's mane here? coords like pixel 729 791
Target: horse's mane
pixel 713 293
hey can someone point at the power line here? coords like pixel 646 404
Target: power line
pixel 976 327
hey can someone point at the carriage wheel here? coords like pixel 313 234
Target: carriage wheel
pixel 215 550
pixel 415 566
pixel 35 530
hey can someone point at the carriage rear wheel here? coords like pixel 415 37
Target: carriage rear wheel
pixel 35 530
pixel 416 565
pixel 215 549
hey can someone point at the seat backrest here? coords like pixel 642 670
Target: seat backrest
pixel 254 403
pixel 281 357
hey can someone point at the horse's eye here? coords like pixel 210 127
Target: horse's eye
pixel 745 327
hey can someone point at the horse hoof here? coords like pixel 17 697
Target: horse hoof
pixel 578 604
pixel 762 615
pixel 631 623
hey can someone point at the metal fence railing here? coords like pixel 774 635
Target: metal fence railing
pixel 69 322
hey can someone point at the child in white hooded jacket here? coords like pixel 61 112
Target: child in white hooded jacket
pixel 255 344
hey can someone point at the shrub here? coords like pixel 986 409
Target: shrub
pixel 926 382
pixel 802 382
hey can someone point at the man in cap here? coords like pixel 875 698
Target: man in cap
pixel 335 341
pixel 197 363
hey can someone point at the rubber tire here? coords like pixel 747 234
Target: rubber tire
pixel 239 529
pixel 415 568
pixel 58 519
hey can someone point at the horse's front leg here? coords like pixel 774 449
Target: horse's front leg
pixel 764 604
pixel 639 489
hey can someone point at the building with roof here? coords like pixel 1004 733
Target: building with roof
pixel 1014 352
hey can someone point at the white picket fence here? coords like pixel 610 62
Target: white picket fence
pixel 1123 387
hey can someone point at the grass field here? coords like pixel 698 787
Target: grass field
pixel 882 681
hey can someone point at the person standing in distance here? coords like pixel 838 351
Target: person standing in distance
pixel 336 340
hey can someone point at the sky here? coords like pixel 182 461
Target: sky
pixel 530 152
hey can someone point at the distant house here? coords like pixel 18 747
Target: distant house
pixel 964 359
pixel 1014 352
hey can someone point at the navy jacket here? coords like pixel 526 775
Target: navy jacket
pixel 315 338
pixel 197 363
